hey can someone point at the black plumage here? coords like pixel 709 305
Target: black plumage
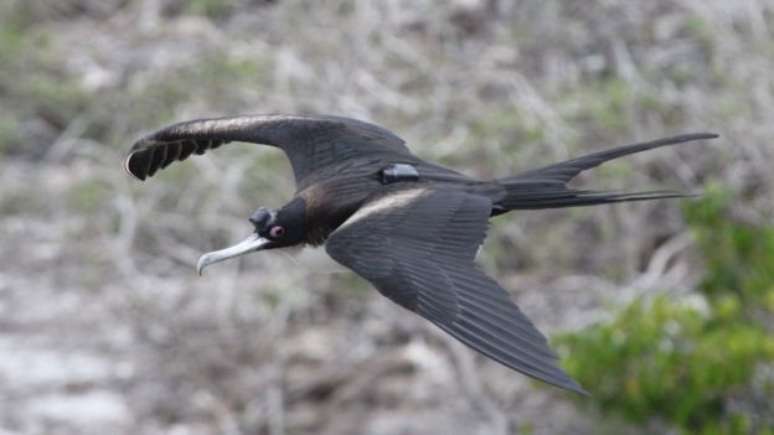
pixel 410 227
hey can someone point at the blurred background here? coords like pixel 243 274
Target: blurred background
pixel 664 311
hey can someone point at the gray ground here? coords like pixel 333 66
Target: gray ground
pixel 104 324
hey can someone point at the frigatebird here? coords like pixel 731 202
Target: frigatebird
pixel 410 227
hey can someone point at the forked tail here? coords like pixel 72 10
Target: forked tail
pixel 547 187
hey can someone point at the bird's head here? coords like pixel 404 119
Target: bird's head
pixel 273 229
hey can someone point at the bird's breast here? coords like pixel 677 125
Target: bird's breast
pixel 330 203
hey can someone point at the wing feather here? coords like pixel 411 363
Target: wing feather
pixel 417 246
pixel 315 145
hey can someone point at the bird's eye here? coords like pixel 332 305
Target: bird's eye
pixel 277 231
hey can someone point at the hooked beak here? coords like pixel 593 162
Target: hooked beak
pixel 250 244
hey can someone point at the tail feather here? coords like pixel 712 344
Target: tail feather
pixel 578 198
pixel 547 187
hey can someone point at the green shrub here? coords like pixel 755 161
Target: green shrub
pixel 739 258
pixel 684 362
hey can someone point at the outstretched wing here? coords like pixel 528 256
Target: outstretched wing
pixel 312 143
pixel 417 246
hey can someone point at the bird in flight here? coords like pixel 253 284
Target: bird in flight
pixel 410 227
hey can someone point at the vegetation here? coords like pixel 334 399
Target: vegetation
pixel 700 366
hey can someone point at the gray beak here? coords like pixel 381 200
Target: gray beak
pixel 250 244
